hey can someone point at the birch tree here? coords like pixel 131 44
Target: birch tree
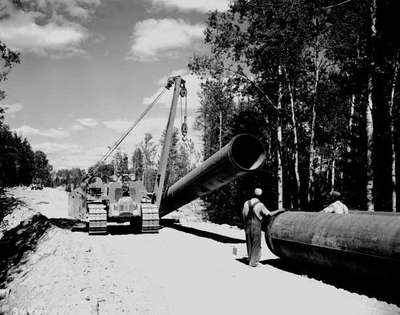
pixel 392 128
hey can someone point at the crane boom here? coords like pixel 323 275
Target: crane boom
pixel 138 120
pixel 162 168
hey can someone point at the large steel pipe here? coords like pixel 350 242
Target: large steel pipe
pixel 358 243
pixel 243 154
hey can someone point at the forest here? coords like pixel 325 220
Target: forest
pixel 19 163
pixel 317 82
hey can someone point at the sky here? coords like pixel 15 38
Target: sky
pixel 90 67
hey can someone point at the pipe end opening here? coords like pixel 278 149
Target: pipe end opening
pixel 248 152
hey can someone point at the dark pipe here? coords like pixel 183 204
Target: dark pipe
pixel 243 154
pixel 365 245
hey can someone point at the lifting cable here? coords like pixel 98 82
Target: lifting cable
pixel 126 133
pixel 184 127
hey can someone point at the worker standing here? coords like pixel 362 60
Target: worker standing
pixel 253 212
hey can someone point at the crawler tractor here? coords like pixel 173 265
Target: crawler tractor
pixel 122 201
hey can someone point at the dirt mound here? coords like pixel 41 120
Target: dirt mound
pixel 191 212
pixel 8 204
pixel 18 242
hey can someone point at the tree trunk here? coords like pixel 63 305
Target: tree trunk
pixel 279 141
pixel 333 171
pixel 382 144
pixel 392 130
pixel 351 117
pixel 295 147
pixel 312 136
pixel 370 133
pixel 369 122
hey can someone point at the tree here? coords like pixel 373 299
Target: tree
pixel 16 159
pixel 102 170
pixel 137 163
pixel 68 177
pixel 16 155
pixel 392 110
pixel 42 168
pixel 121 162
pixel 8 59
pixel 149 150
pixel 380 43
pixel 215 102
pixel 179 158
pixel 124 164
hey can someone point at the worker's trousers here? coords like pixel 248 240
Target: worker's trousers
pixel 253 238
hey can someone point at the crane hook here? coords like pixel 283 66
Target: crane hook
pixel 184 130
pixel 183 91
pixel 184 127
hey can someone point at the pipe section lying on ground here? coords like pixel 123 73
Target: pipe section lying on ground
pixel 358 243
pixel 243 154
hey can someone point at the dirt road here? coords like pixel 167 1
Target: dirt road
pixel 194 271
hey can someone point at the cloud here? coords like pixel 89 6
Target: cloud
pixel 146 125
pixel 12 108
pixel 84 159
pixel 87 122
pixel 69 155
pixel 47 26
pixel 57 148
pixel 22 32
pixel 50 133
pixel 82 9
pixel 195 5
pixel 152 38
pixel 55 132
pixel 78 9
pixel 117 125
pixel 77 127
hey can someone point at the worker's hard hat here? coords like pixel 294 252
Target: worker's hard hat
pixel 258 191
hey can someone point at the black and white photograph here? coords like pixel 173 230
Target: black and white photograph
pixel 199 157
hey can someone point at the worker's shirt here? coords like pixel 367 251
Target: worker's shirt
pixel 258 208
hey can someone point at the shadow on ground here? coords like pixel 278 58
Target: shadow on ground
pixel 79 226
pixel 69 224
pixel 243 260
pixel 210 235
pixel 122 229
pixel 380 289
pixel 75 225
pixel 18 242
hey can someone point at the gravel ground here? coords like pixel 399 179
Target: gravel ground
pixel 194 269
